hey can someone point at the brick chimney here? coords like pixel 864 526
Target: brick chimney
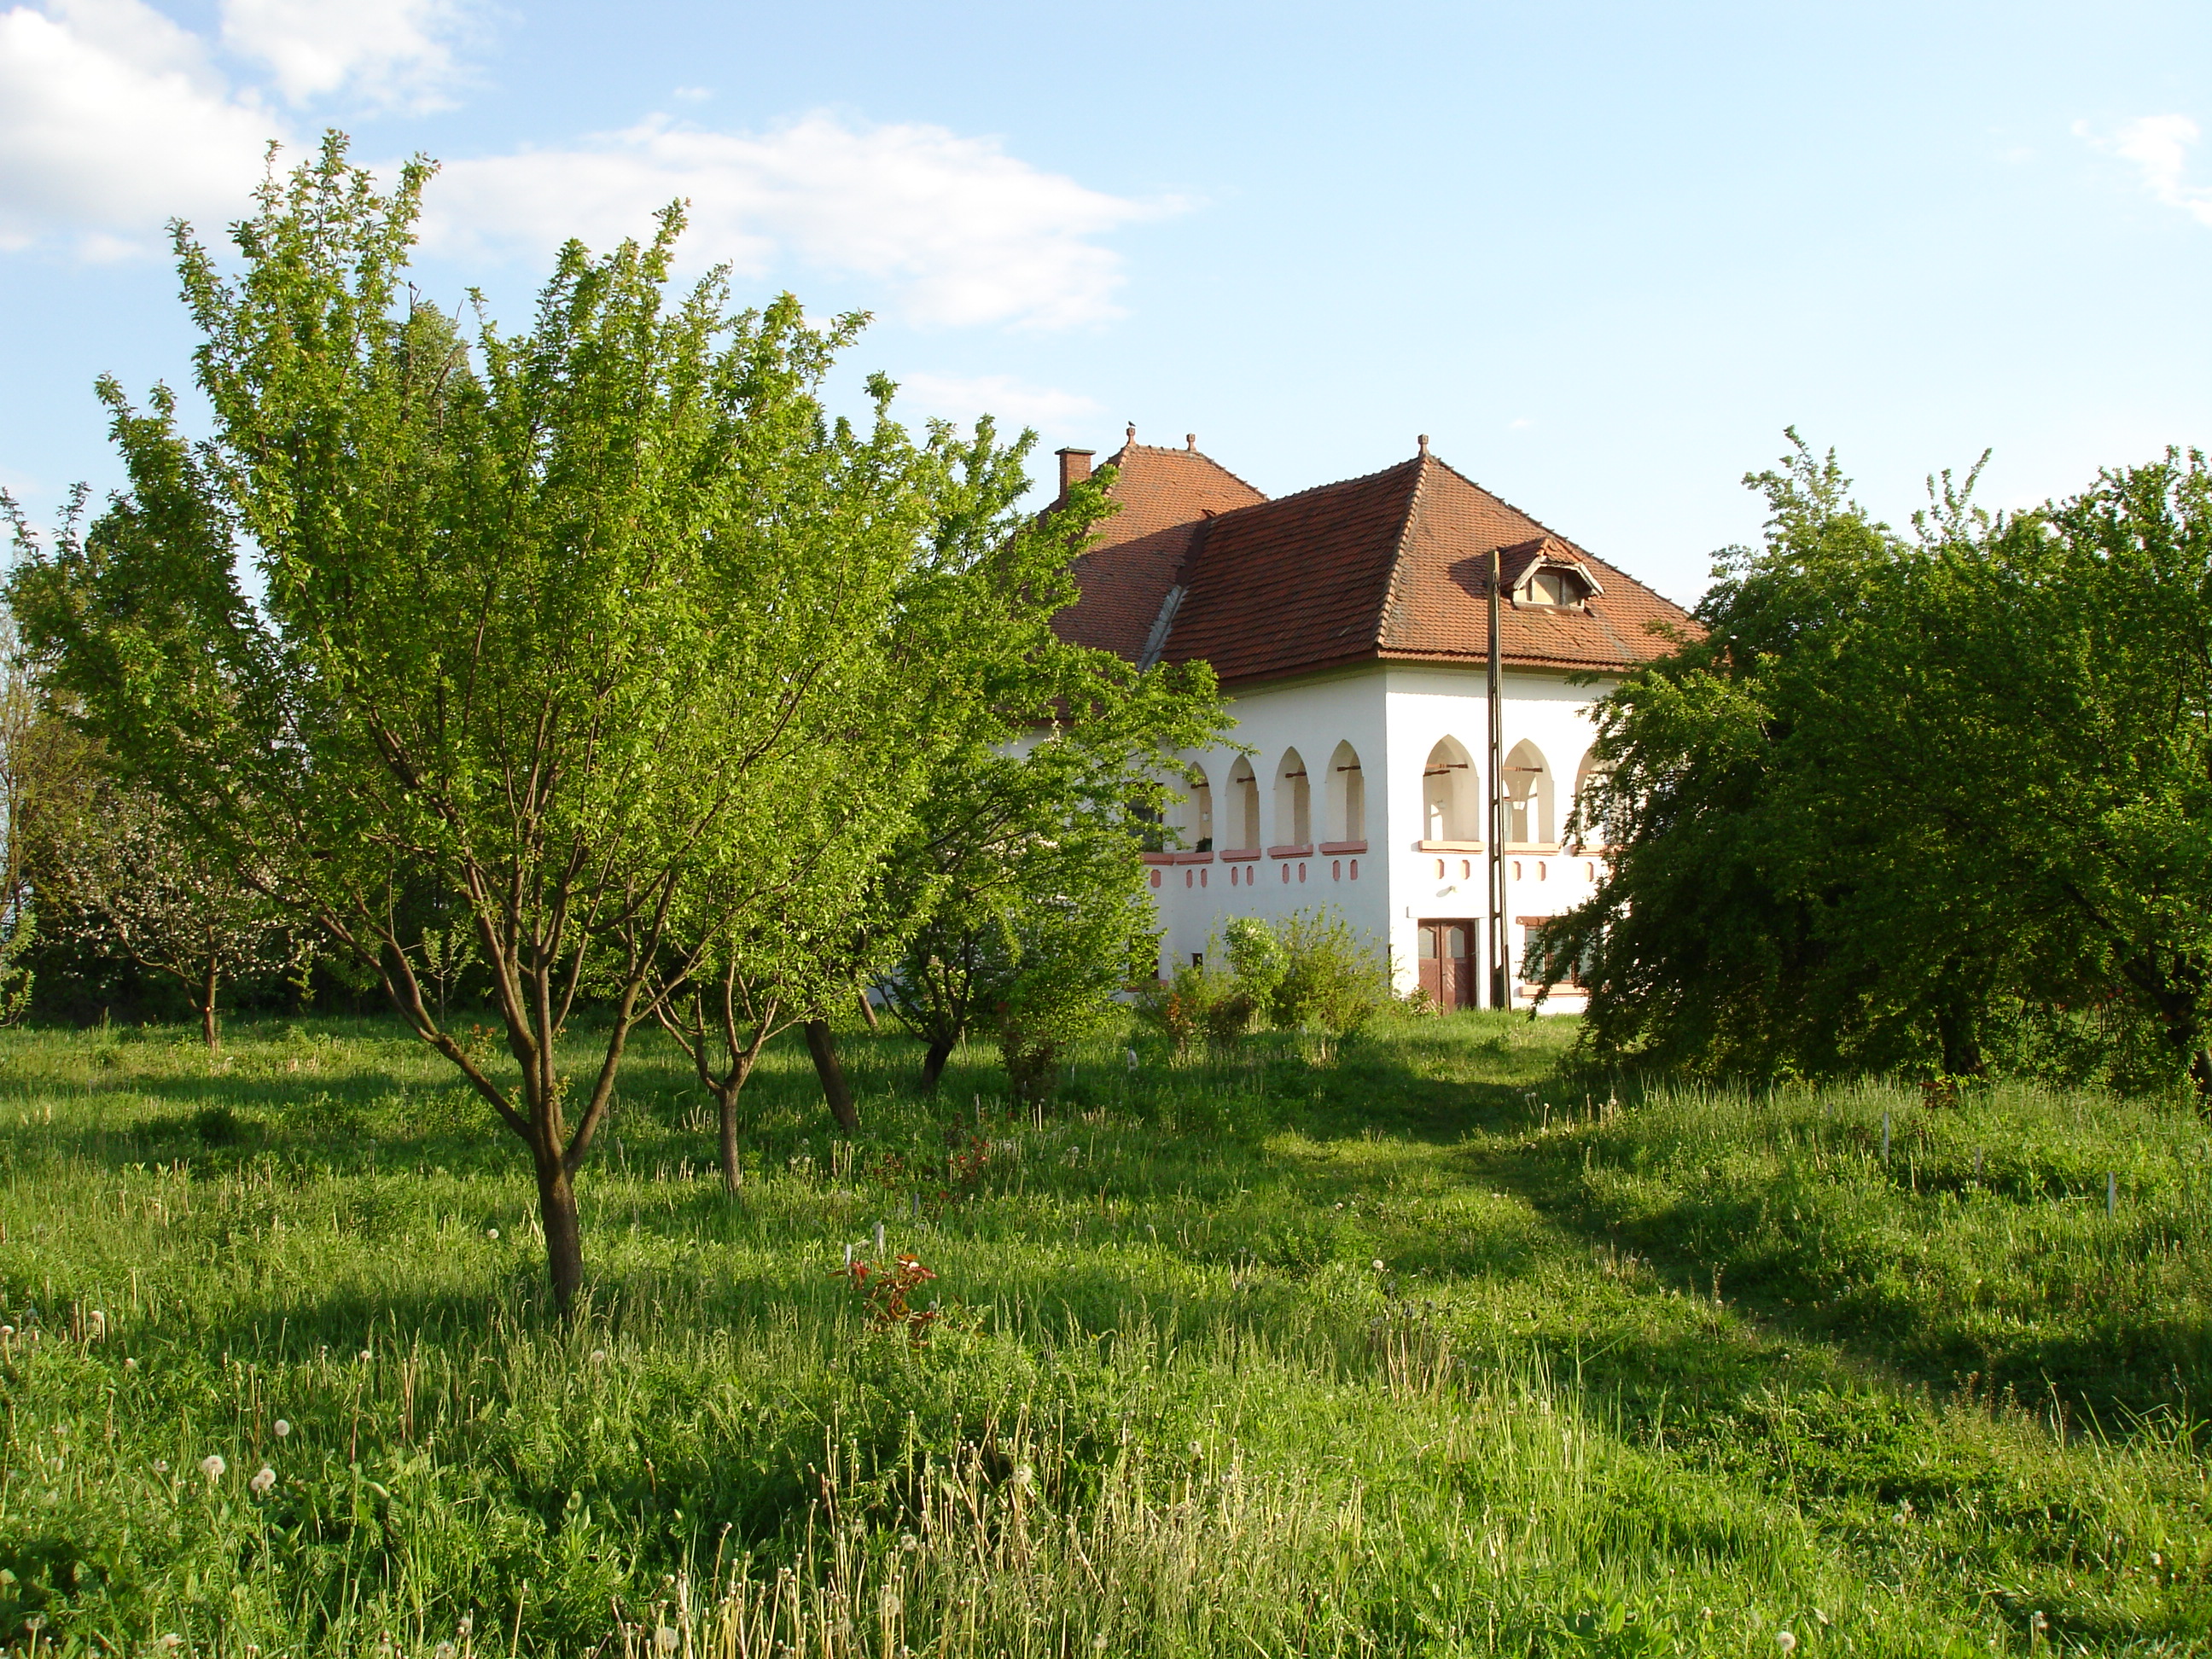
pixel 1074 468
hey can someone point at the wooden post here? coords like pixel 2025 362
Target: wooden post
pixel 1494 826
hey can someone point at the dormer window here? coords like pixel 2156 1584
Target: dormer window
pixel 1559 587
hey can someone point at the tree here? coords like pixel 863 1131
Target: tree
pixel 1030 850
pixel 1039 761
pixel 29 767
pixel 569 626
pixel 119 881
pixel 1046 954
pixel 1909 801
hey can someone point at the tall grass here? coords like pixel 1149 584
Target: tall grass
pixel 1415 1346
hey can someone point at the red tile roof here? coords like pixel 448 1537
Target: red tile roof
pixel 1165 496
pixel 1393 567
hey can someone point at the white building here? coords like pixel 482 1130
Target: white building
pixel 1349 626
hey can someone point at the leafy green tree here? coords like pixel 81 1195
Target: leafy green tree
pixel 31 766
pixel 1012 883
pixel 1905 802
pixel 118 880
pixel 570 625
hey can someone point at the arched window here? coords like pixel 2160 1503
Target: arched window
pixel 1347 796
pixel 1243 826
pixel 1528 797
pixel 1447 794
pixel 1196 820
pixel 1580 825
pixel 1293 801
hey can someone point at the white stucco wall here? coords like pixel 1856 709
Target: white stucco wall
pixel 1393 717
pixel 1196 899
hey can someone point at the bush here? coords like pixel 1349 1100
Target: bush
pixel 1194 1003
pixel 1053 978
pixel 1256 958
pixel 1333 981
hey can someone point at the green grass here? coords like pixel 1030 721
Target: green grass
pixel 1424 1346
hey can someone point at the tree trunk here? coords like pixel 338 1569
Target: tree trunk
pixel 564 1239
pixel 934 1060
pixel 208 987
pixel 1954 1030
pixel 823 1046
pixel 733 1177
pixel 868 1012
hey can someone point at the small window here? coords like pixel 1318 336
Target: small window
pixel 1556 585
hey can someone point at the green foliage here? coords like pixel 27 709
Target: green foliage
pixel 1174 1403
pixel 1197 1006
pixel 1334 979
pixel 1054 977
pixel 605 637
pixel 1256 957
pixel 1922 803
pixel 1310 972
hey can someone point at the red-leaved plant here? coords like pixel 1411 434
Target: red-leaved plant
pixel 889 1292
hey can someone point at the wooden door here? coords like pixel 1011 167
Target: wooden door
pixel 1447 956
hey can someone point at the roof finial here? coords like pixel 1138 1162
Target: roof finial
pixel 1133 432
pixel 1190 441
pixel 1424 441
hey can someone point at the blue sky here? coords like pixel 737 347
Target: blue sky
pixel 1603 253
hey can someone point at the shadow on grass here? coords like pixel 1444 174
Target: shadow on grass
pixel 2111 1366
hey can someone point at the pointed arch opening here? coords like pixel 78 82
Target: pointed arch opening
pixel 1347 796
pixel 1294 800
pixel 1195 818
pixel 1527 794
pixel 1243 807
pixel 1448 810
pixel 1578 823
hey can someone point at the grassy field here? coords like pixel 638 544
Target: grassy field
pixel 1425 1346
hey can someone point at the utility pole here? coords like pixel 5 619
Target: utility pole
pixel 1494 827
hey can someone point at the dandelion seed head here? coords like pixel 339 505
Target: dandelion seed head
pixel 443 1650
pixel 129 1365
pixel 264 1478
pixel 665 1639
pixel 598 1355
pixel 212 1466
pixel 491 1233
pixel 1378 1267
pixel 1785 1641
pixel 282 1428
pixel 366 1356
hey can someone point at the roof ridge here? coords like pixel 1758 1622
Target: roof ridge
pixel 1311 489
pixel 1382 611
pixel 1568 542
pixel 1114 459
pixel 1565 541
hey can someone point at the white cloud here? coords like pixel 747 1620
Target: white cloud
pixel 380 53
pixel 964 398
pixel 965 233
pixel 2158 147
pixel 112 120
